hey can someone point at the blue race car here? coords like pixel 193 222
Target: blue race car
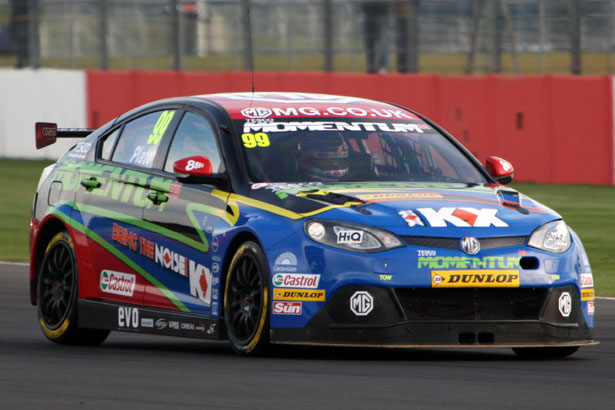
pixel 295 218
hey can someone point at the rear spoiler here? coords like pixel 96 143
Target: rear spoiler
pixel 48 132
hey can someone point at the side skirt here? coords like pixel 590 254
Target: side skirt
pixel 138 319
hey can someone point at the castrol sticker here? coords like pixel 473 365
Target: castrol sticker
pixel 118 283
pixel 296 280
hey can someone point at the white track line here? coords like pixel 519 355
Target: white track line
pixel 15 263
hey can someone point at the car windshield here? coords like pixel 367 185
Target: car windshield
pixel 351 149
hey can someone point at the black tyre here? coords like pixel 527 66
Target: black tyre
pixel 57 294
pixel 246 300
pixel 544 352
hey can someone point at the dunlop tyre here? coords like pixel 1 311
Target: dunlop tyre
pixel 246 301
pixel 57 295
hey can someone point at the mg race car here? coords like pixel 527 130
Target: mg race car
pixel 295 218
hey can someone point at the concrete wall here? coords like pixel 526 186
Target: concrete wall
pixel 28 96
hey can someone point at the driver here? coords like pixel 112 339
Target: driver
pixel 323 158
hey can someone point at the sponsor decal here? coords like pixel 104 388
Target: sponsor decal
pixel 214 308
pixel 470 245
pixel 310 295
pixel 187 326
pixel 586 280
pixel 466 262
pixel 200 278
pixel 565 304
pixel 591 308
pixel 285 262
pixel 173 324
pixel 287 308
pixel 161 324
pixel 215 244
pixel 411 218
pixel 361 303
pixel 127 317
pixel 118 283
pixel 256 112
pixel 351 236
pixel 401 196
pixel 171 260
pixel 146 322
pixel 425 252
pixel 212 329
pixel 462 217
pixel 295 280
pixel 587 294
pixel 298 126
pixel 200 327
pixel 175 190
pixel 124 191
pixel 124 237
pixel 80 151
pixel 475 279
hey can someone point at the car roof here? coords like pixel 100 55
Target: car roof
pixel 242 105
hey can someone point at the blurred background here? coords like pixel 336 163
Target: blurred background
pixel 425 36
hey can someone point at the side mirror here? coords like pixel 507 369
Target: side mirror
pixel 192 169
pixel 500 169
pixel 197 170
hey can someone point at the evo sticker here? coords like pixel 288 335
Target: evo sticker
pixel 475 279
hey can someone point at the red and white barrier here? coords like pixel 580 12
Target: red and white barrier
pixel 554 129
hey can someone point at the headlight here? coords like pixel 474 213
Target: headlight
pixel 552 237
pixel 350 236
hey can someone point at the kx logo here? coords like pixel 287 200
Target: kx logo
pixel 462 217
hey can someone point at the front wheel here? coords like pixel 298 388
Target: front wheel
pixel 246 298
pixel 57 295
pixel 544 352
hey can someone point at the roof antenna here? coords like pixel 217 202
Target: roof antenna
pixel 247 39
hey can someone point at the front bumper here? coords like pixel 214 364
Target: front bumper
pixel 408 317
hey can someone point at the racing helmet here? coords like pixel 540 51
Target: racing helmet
pixel 324 157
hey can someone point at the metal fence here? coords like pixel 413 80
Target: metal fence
pixel 439 36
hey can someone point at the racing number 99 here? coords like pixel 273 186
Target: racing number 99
pixel 260 139
pixel 161 126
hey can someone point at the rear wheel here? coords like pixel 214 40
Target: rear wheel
pixel 57 295
pixel 246 300
pixel 544 352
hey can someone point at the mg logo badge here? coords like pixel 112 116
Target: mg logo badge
pixel 470 245
pixel 361 303
pixel 565 304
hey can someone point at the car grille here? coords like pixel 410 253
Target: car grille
pixel 453 243
pixel 472 304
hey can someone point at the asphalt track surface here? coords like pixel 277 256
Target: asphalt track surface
pixel 131 371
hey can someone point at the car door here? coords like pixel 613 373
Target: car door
pixel 113 193
pixel 187 258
